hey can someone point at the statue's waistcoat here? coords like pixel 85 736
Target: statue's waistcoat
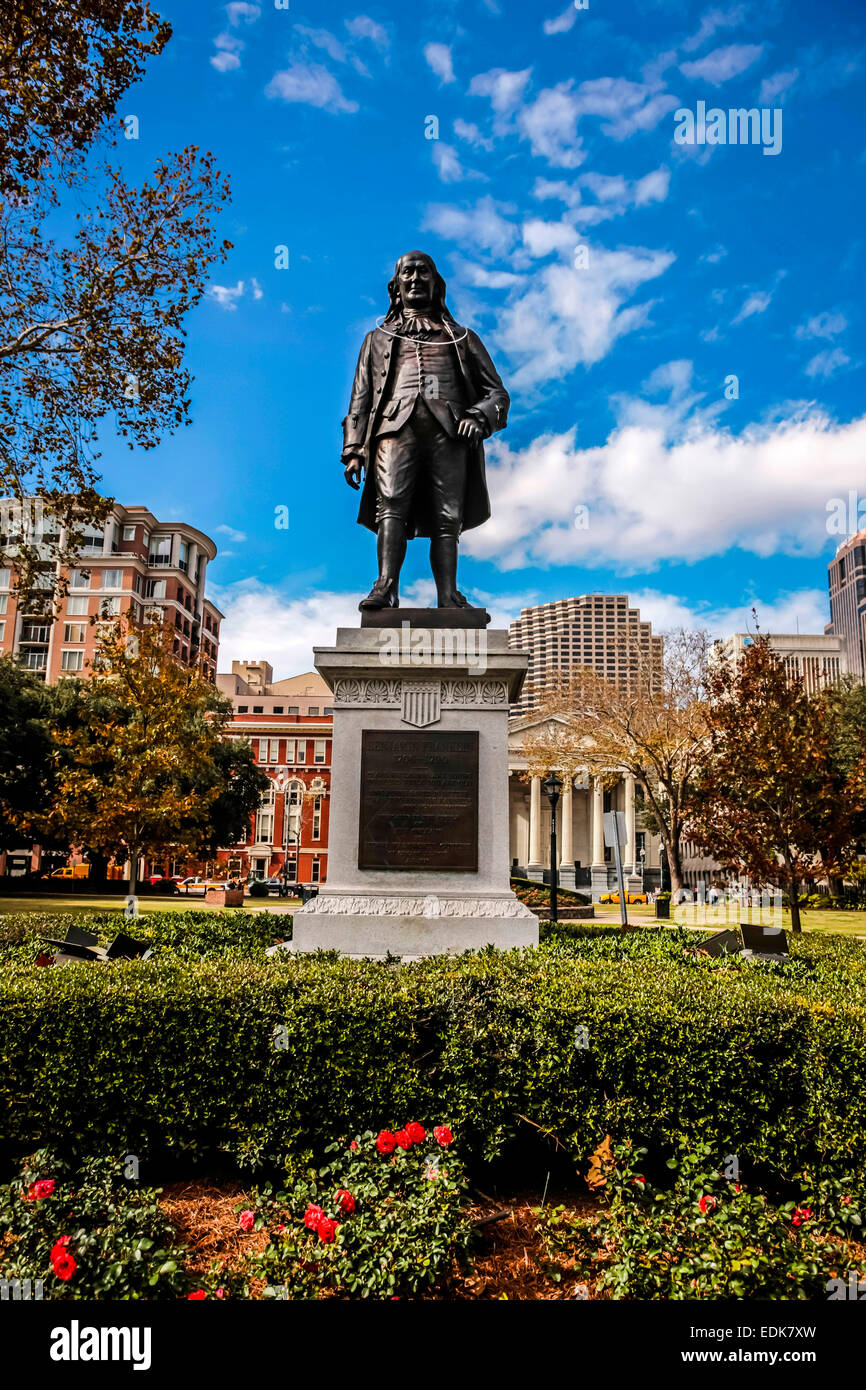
pixel 427 369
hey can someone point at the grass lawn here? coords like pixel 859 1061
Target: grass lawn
pixel 821 919
pixel 38 902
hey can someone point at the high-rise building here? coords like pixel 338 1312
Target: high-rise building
pixel 600 631
pixel 132 565
pixel 817 659
pixel 846 575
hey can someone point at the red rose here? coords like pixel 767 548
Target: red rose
pixel 706 1203
pixel 328 1230
pixel 37 1190
pixel 402 1138
pixel 59 1248
pixel 354 1144
pixel 247 1220
pixel 313 1216
pixel 385 1142
pixel 64 1266
pixel 416 1132
pixel 443 1135
pixel 345 1201
pixel 801 1214
pixel 198 1295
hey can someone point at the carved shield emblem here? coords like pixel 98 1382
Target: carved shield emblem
pixel 421 703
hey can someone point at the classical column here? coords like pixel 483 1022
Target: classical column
pixel 566 863
pixel 535 867
pixel 629 852
pixel 599 868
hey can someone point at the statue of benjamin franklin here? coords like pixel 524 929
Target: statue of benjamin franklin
pixel 425 397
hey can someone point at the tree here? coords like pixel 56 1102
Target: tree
pixel 771 801
pixel 139 755
pixel 25 747
pixel 91 321
pixel 652 726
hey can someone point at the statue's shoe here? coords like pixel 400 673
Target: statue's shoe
pixel 456 600
pixel 382 595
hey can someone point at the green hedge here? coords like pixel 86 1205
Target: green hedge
pixel 181 1052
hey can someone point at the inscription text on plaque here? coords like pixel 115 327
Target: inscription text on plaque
pixel 419 800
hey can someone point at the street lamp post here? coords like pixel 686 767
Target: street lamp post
pixel 553 787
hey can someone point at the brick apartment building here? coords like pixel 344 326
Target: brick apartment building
pixel 289 723
pixel 132 565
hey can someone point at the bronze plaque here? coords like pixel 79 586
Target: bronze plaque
pixel 419 800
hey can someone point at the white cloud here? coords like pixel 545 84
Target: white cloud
pixel 438 56
pixel 822 326
pixel 225 61
pixel 324 39
pixel 550 125
pixel 773 88
pixel 256 288
pixel 226 296
pixel 563 317
pixel 236 536
pixel 717 253
pixel 482 227
pixel 804 610
pixel 505 89
pixel 448 165
pixel 668 487
pixel 562 23
pixel 711 21
pixel 311 84
pixel 824 364
pixel 756 303
pixel 468 131
pixel 723 63
pixel 239 12
pixel 261 624
pixel 363 27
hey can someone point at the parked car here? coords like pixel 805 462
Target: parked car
pixel 195 884
pixel 629 897
pixel 159 883
pixel 71 871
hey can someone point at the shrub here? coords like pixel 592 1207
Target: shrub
pixel 257 888
pixel 263 1057
pixel 88 1233
pixel 707 1237
pixel 383 1219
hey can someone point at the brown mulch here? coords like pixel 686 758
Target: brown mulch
pixel 507 1259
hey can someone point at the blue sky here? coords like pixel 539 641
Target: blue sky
pixel 632 461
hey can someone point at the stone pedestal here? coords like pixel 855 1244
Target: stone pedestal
pixel 418 852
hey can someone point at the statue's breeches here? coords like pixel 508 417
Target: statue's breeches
pixel 421 473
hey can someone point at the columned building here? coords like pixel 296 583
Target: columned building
pixel 584 860
pixel 818 659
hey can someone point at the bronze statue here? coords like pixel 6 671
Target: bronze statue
pixel 425 396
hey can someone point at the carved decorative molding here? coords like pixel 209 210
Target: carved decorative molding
pixel 429 906
pixel 415 696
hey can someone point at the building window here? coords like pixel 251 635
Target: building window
pixel 129 533
pixel 78 607
pixel 79 579
pixel 292 709
pixel 296 792
pixel 329 709
pixel 34 660
pixel 160 552
pixel 183 555
pixel 71 661
pixel 109 607
pixel 2 630
pixel 292 870
pixel 258 709
pixel 155 588
pixel 316 870
pixel 4 599
pixel 74 632
pixel 112 579
pixel 291 745
pixel 313 710
pixel 278 709
pixel 265 818
pixel 319 751
pixel 243 709
pixel 5 578
pixel 317 818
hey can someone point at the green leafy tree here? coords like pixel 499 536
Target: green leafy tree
pixel 96 275
pixel 140 761
pixel 772 801
pixel 25 747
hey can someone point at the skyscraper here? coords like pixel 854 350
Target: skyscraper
pixel 600 631
pixel 846 574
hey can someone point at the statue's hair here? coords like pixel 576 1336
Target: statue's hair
pixel 440 308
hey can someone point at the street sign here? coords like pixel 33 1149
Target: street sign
pixel 614 828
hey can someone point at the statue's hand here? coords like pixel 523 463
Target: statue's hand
pixel 470 430
pixel 354 471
